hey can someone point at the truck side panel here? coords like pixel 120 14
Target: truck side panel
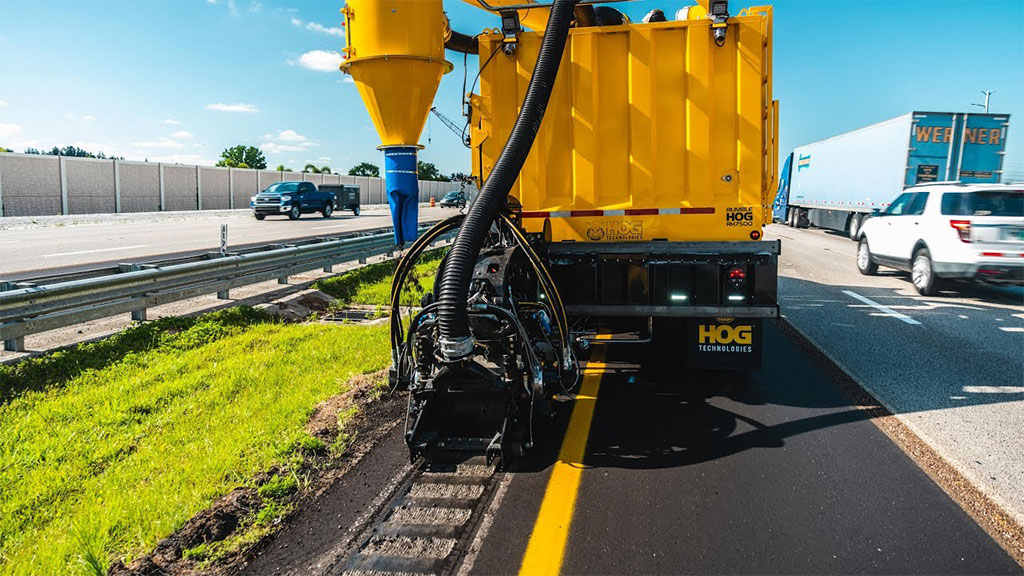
pixel 652 132
pixel 853 172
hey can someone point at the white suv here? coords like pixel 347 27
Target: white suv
pixel 936 231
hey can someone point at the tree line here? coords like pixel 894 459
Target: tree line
pixel 243 156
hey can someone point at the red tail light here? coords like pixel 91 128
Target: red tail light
pixel 963 227
pixel 737 274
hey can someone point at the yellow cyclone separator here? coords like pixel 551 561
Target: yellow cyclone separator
pixel 395 55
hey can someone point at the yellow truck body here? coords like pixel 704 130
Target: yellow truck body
pixel 652 132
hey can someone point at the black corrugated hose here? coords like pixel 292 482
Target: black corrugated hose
pixel 456 273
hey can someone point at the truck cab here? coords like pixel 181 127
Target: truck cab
pixel 292 199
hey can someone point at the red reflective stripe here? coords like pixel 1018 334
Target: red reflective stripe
pixel 999 254
pixel 580 213
pixel 641 212
pixel 703 210
pixel 534 214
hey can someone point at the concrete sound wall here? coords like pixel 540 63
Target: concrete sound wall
pixel 180 191
pixel 89 185
pixel 33 185
pixel 243 186
pixel 213 184
pixel 30 185
pixel 139 184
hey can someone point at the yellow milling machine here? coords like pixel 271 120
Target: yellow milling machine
pixel 626 172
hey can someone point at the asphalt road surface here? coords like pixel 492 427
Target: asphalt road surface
pixel 76 242
pixel 706 472
pixel 699 473
pixel 951 366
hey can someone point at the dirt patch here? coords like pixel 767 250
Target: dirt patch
pixel 370 412
pixel 300 306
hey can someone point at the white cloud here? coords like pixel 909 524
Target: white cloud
pixel 320 60
pixel 291 136
pixel 3 103
pixel 255 7
pixel 170 122
pixel 286 141
pixel 348 79
pixel 318 27
pixel 69 116
pixel 95 147
pixel 9 132
pixel 159 144
pixel 324 159
pixel 88 117
pixel 332 31
pixel 182 135
pixel 237 107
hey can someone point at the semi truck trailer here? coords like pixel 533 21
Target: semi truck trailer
pixel 627 172
pixel 837 182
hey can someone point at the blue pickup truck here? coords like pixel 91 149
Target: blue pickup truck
pixel 292 199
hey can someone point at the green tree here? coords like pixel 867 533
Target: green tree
pixel 325 169
pixel 427 171
pixel 311 169
pixel 236 156
pixel 280 168
pixel 364 169
pixel 2 149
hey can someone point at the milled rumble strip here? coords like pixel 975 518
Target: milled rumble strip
pixel 430 515
pixel 407 547
pixel 458 491
pixel 546 548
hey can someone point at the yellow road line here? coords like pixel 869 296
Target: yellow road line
pixel 546 549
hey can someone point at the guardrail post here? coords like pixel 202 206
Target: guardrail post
pixel 223 295
pixel 139 315
pixel 282 280
pixel 15 344
pixel 328 268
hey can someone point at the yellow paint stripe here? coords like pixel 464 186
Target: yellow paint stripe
pixel 546 549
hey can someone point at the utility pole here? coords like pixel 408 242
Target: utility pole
pixel 988 94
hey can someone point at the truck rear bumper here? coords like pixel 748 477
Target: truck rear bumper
pixel 667 279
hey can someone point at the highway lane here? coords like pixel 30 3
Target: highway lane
pixel 951 367
pixel 783 473
pixel 76 242
pixel 780 474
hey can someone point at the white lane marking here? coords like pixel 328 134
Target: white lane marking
pixel 1012 328
pixel 993 389
pixel 888 311
pixel 78 252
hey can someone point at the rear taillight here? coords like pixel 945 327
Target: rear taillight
pixel 963 228
pixel 737 274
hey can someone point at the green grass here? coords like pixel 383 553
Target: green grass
pixel 108 448
pixel 371 285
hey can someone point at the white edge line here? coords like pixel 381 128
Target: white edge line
pixel 882 308
pixel 94 251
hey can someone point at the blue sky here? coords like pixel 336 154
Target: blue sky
pixel 180 81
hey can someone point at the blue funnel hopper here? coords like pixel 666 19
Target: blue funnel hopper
pixel 403 190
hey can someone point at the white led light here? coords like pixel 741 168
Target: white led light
pixel 735 298
pixel 679 297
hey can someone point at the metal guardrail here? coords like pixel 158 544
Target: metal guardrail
pixel 38 308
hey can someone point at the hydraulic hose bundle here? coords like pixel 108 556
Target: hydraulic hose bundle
pixel 456 340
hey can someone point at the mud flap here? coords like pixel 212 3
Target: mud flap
pixel 724 343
